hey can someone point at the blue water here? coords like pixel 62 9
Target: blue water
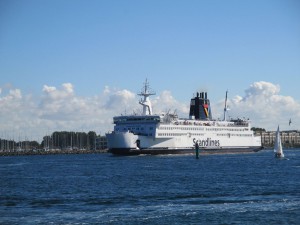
pixel 105 189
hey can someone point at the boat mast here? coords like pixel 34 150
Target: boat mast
pixel 225 108
pixel 278 145
pixel 146 92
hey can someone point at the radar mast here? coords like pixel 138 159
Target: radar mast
pixel 146 92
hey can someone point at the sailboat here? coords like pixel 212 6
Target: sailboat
pixel 278 146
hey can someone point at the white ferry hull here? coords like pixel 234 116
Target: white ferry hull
pixel 125 143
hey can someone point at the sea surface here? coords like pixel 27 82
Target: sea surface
pixel 251 188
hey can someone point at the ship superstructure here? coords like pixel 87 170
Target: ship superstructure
pixel 150 133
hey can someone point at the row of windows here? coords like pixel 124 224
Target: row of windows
pixel 224 129
pixel 169 134
pixel 132 119
pixel 180 128
pixel 132 128
pixel 199 134
pixel 239 135
pixel 196 128
pixel 283 138
pixel 179 134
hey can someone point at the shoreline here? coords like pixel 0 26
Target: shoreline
pixel 56 152
pixel 77 152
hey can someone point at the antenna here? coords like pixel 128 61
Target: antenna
pixel 225 108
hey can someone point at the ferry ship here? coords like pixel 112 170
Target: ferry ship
pixel 166 133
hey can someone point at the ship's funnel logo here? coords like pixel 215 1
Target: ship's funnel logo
pixel 205 107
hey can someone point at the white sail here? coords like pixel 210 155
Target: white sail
pixel 278 146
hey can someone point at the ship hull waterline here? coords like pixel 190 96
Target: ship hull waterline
pixel 128 151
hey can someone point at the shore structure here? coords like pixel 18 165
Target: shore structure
pixel 166 133
pixel 289 138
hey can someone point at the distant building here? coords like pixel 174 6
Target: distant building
pixel 289 138
pixel 101 143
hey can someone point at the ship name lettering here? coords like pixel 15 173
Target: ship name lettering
pixel 206 142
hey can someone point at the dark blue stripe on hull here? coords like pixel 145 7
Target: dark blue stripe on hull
pixel 122 151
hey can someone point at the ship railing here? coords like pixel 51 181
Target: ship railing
pixel 190 123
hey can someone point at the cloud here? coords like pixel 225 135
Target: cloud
pixel 53 93
pixel 261 89
pixel 16 111
pixel 119 100
pixel 106 90
pixel 61 108
pixel 48 89
pixel 166 102
pixel 10 102
pixel 264 105
pixel 61 104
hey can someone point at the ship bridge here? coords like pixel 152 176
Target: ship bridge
pixel 139 125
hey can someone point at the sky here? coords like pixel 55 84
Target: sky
pixel 72 65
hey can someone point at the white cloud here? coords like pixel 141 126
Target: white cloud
pixel 120 100
pixel 264 105
pixel 12 94
pixel 53 93
pixel 10 102
pixel 16 111
pixel 60 108
pixel 106 90
pixel 261 88
pixel 68 87
pixel 166 102
pixel 48 89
